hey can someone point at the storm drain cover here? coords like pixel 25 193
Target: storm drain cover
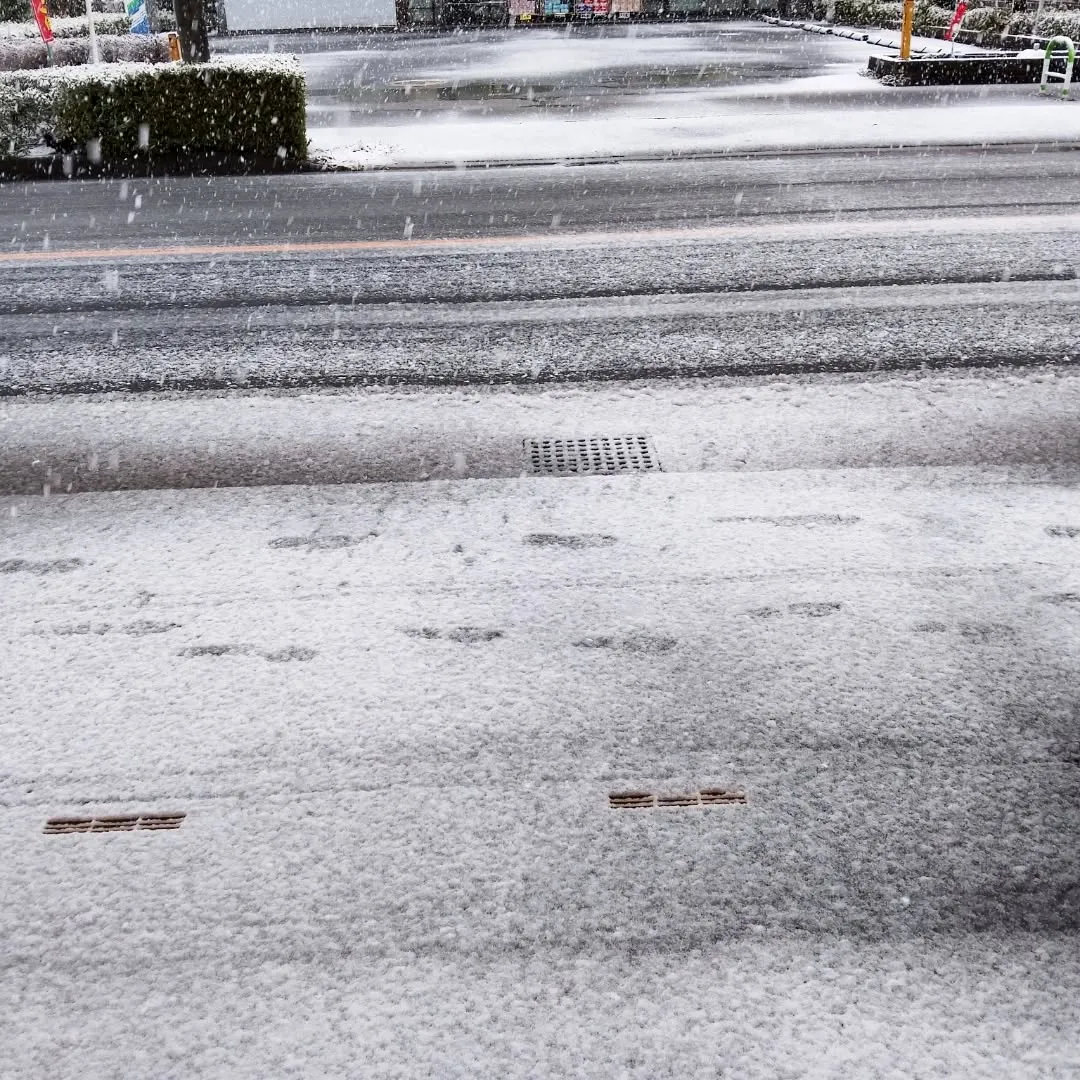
pixel 117 823
pixel 648 800
pixel 594 455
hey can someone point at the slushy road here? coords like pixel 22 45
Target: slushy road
pixel 540 200
pixel 798 263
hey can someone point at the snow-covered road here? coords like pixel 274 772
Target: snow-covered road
pixel 848 113
pixel 860 328
pixel 696 272
pixel 634 93
pixel 669 93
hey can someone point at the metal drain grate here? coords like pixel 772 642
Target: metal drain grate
pixel 590 456
pixel 114 823
pixel 646 800
pixel 722 797
pixel 630 800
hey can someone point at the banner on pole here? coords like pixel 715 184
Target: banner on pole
pixel 957 19
pixel 140 19
pixel 41 17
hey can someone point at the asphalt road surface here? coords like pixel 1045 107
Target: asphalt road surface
pixel 383 78
pixel 545 201
pixel 799 263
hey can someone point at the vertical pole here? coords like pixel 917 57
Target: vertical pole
pixel 95 53
pixel 191 27
pixel 1035 24
pixel 905 31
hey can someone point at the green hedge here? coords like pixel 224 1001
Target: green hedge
pixel 987 20
pixel 66 9
pixel 254 108
pixel 1051 23
pixel 26 112
pixel 886 13
pixel 161 11
pixel 74 27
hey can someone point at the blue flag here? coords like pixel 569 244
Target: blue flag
pixel 140 20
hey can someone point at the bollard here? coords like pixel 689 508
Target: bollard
pixel 905 29
pixel 1064 77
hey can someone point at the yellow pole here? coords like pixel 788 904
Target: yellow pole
pixel 905 32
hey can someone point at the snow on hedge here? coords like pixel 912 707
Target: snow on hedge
pixel 21 54
pixel 931 19
pixel 104 23
pixel 248 105
pixel 1051 22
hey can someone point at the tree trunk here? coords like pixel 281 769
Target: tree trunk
pixel 191 27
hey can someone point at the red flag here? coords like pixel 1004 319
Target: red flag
pixel 44 23
pixel 957 19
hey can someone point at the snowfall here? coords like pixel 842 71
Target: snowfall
pixel 393 713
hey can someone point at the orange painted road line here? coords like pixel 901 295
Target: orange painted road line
pixel 825 229
pixel 194 250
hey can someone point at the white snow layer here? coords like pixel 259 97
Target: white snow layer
pixel 841 107
pixel 393 715
pixel 879 37
pixel 831 111
pixel 111 72
pixel 92 442
pixel 104 23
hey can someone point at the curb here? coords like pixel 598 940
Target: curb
pixel 1027 147
pixel 61 167
pixel 955 70
pixel 77 167
pixel 851 35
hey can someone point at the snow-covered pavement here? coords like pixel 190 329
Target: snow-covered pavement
pixel 878 37
pixel 394 713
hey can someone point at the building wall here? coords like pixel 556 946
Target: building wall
pixel 307 14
